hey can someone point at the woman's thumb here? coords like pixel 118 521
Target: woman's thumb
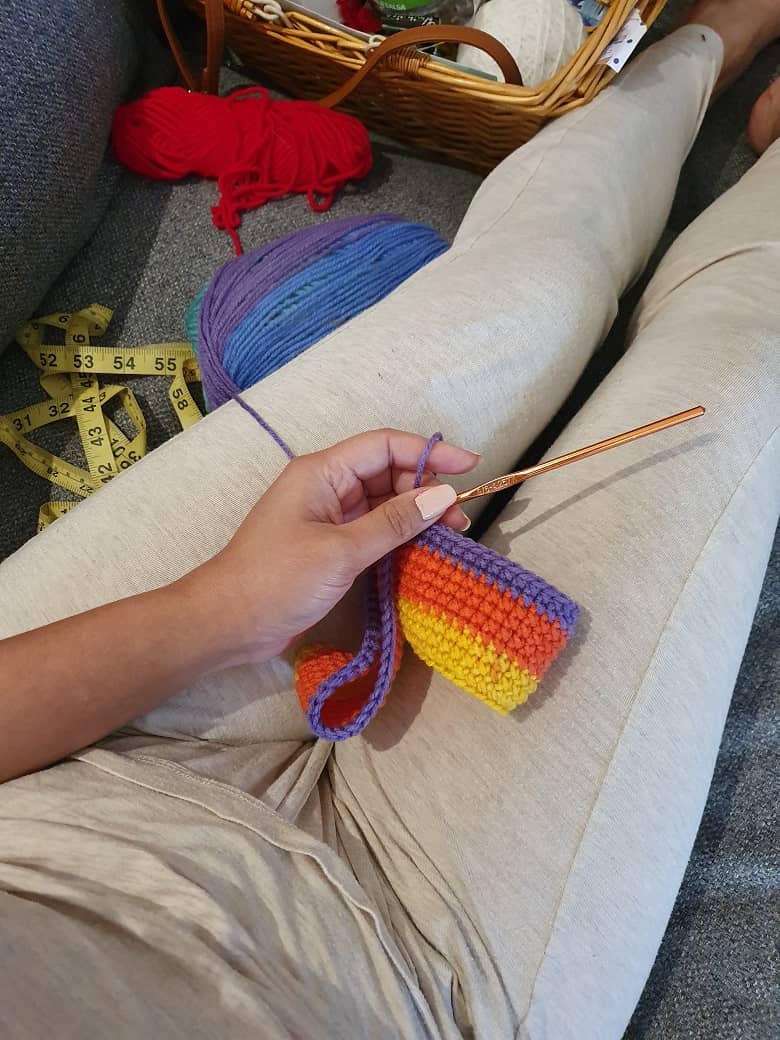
pixel 398 519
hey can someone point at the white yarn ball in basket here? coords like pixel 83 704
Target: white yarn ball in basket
pixel 541 35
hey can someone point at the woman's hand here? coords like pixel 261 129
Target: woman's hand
pixel 328 517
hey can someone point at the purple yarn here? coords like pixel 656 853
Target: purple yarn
pixel 266 426
pixel 426 453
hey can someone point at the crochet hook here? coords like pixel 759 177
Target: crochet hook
pixel 511 479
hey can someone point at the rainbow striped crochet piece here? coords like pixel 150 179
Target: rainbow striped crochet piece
pixel 484 622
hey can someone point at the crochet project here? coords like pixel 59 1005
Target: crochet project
pixel 479 619
pixel 484 622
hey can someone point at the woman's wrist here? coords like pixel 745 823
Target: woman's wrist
pixel 226 631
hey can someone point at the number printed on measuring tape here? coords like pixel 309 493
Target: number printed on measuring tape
pixel 69 375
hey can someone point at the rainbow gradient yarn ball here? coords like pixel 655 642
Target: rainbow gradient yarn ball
pixel 264 308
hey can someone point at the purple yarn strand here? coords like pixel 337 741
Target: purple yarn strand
pixel 265 425
pixel 426 454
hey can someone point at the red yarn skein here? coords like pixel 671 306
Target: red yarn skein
pixel 254 147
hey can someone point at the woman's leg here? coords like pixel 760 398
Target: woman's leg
pixel 484 343
pixel 531 862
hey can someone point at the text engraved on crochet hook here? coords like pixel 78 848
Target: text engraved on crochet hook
pixel 511 479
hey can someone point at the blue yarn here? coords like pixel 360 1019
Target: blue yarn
pixel 296 294
pixel 323 296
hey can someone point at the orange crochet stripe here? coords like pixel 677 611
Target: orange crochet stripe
pixel 470 602
pixel 314 664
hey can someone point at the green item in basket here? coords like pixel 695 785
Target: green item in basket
pixel 406 14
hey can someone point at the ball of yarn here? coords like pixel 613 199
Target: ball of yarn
pixel 256 148
pixel 541 35
pixel 262 309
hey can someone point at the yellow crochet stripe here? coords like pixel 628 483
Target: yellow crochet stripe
pixel 462 656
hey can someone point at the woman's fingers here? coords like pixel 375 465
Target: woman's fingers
pixel 372 457
pixel 395 521
pixel 341 483
pixel 454 517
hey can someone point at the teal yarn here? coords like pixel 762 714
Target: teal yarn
pixel 266 307
pixel 192 317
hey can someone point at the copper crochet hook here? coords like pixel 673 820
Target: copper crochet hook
pixel 510 479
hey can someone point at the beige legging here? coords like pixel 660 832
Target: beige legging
pixel 539 854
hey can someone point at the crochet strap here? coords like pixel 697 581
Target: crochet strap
pixel 379 656
pixel 379 651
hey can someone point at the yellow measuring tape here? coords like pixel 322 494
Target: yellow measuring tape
pixel 68 374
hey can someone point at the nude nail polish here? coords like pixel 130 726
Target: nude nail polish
pixel 435 500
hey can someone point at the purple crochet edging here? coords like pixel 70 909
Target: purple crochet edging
pixel 379 636
pixel 503 573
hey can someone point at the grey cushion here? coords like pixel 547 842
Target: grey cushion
pixel 64 67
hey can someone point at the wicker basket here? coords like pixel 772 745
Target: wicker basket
pixel 408 95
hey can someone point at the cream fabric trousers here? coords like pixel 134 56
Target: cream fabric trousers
pixel 526 866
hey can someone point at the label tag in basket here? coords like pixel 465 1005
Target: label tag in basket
pixel 617 53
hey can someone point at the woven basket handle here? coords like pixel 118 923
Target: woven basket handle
pixel 430 34
pixel 215 40
pixel 208 81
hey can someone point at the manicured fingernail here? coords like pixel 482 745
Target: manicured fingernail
pixel 435 500
pixel 466 524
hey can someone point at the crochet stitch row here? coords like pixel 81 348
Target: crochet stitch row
pixel 484 622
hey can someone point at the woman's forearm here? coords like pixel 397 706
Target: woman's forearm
pixel 326 518
pixel 70 683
